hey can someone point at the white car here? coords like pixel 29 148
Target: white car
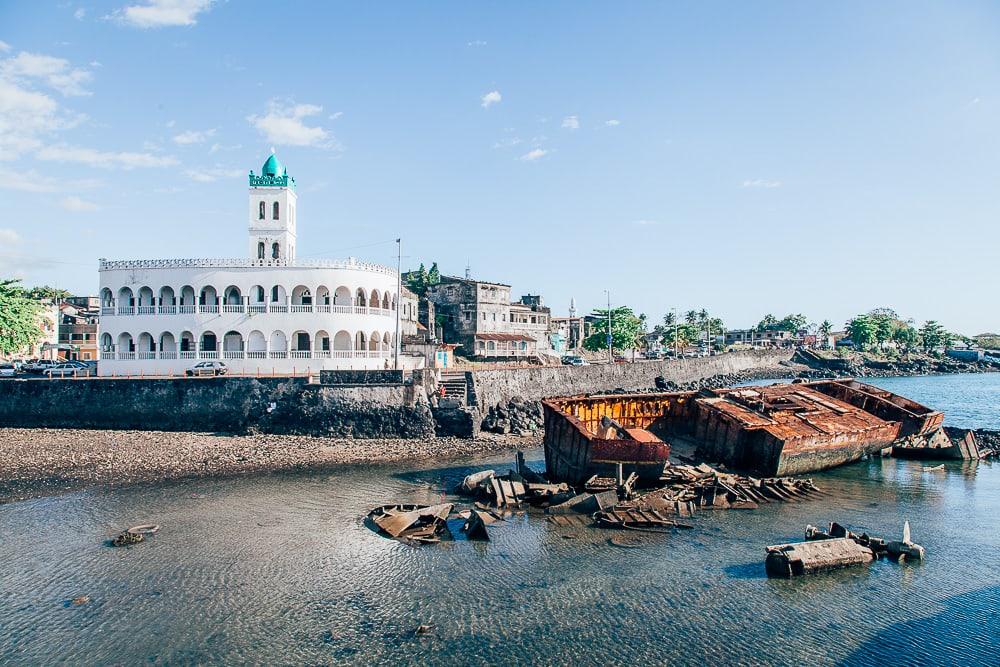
pixel 7 370
pixel 66 371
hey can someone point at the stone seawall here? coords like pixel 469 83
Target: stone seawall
pixel 499 387
pixel 231 405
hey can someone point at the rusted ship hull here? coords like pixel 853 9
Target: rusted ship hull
pixel 784 429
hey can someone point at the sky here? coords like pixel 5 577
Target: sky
pixel 745 158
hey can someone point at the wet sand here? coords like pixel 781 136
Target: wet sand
pixel 41 462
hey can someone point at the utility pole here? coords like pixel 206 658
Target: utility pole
pixel 674 311
pixel 399 299
pixel 611 354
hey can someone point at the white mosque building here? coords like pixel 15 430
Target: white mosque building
pixel 267 313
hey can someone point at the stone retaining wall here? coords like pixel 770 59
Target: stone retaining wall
pixel 499 387
pixel 231 405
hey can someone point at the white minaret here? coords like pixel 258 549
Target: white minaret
pixel 272 214
pixel 572 307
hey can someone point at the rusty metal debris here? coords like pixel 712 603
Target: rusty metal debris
pixel 475 525
pixel 636 518
pixel 134 535
pixel 420 524
pixel 834 548
pixel 777 430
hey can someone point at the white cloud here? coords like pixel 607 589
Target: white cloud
pixel 614 122
pixel 337 115
pixel 9 237
pixel 56 72
pixel 490 98
pixel 4 46
pixel 104 159
pixel 534 154
pixel 571 123
pixel 507 143
pixel 761 183
pixel 32 181
pixel 79 14
pixel 216 147
pixel 26 116
pixel 477 42
pixel 162 13
pixel 193 136
pixel 283 124
pixel 96 63
pixel 78 205
pixel 210 175
pixel 645 223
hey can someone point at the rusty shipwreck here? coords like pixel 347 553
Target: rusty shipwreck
pixel 775 430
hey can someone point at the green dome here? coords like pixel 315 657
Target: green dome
pixel 273 167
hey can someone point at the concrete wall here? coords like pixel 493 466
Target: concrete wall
pixel 235 405
pixel 498 387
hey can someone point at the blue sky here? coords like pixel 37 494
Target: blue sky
pixel 823 158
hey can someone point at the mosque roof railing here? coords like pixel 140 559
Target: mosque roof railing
pixel 242 263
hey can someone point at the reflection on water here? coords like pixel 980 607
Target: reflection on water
pixel 280 569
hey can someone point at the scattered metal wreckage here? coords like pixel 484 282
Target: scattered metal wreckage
pixel 134 535
pixel 777 430
pixel 615 502
pixel 836 548
pixel 418 524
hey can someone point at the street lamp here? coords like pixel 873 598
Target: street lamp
pixel 611 354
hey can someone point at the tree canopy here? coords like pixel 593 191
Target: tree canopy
pixel 626 330
pixel 418 281
pixel 19 324
pixel 791 323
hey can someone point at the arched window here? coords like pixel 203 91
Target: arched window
pixel 260 250
pixel 274 212
pixel 274 251
pixel 262 210
pixel 274 294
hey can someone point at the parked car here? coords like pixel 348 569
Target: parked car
pixel 66 370
pixel 40 366
pixel 573 360
pixel 207 368
pixel 7 370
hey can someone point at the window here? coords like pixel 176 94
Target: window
pixel 262 205
pixel 274 294
pixel 260 250
pixel 274 251
pixel 274 212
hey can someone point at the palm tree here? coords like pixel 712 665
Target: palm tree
pixel 691 316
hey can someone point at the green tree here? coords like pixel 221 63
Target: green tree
pixel 19 323
pixel 417 281
pixel 767 323
pixel 626 330
pixel 824 330
pixel 434 275
pixel 43 292
pixel 906 337
pixel 862 331
pixel 691 317
pixel 933 335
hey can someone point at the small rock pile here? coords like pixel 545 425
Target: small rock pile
pixel 518 416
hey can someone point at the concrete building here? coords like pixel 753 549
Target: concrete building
pixel 79 319
pixel 268 312
pixel 47 346
pixel 476 315
pixel 765 338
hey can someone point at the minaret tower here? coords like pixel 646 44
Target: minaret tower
pixel 572 307
pixel 272 214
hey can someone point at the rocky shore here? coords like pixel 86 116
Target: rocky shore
pixel 41 462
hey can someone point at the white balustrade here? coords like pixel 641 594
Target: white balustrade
pixel 321 354
pixel 126 356
pixel 233 308
pixel 185 310
pixel 322 308
pixel 108 355
pixel 147 354
pixel 126 310
pixel 342 309
pixel 147 310
pixel 256 355
pixel 168 354
pixel 232 354
pixel 256 308
pixel 279 308
pixel 188 354
pixel 168 310
pixel 300 354
pixel 208 354
pixel 301 308
pixel 107 310
pixel 361 310
pixel 279 354
pixel 205 308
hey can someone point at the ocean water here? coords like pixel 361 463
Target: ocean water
pixel 280 569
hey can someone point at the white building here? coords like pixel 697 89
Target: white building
pixel 267 313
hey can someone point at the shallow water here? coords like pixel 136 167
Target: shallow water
pixel 280 569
